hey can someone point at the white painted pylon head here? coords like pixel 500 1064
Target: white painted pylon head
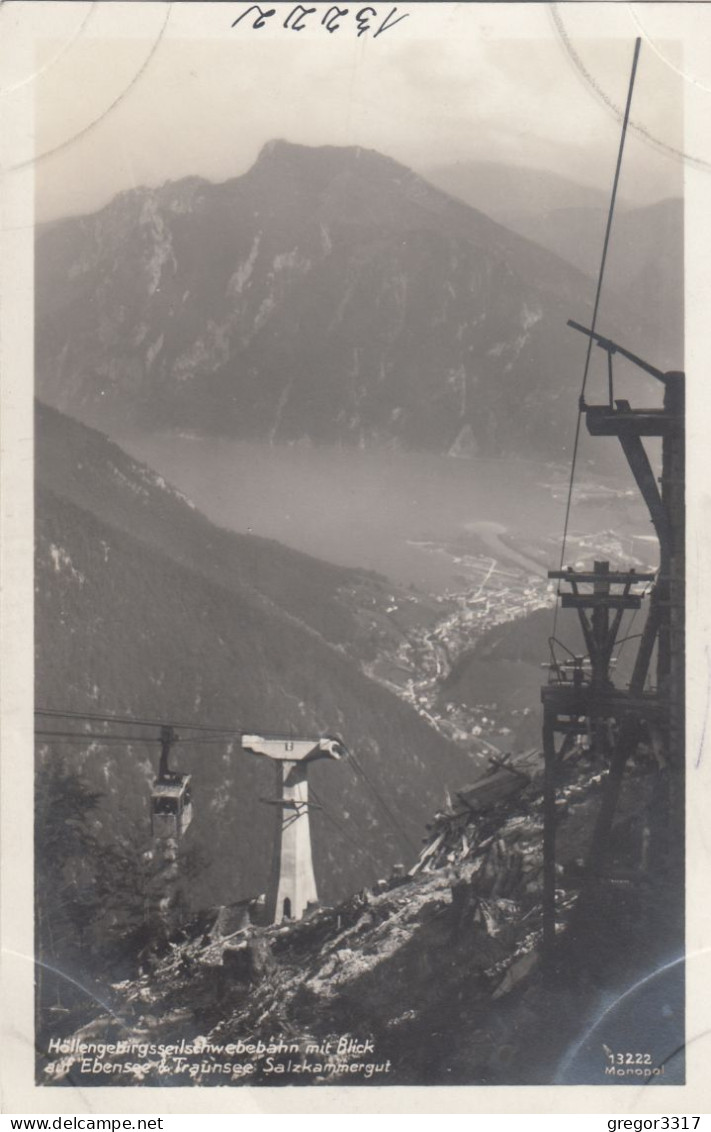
pixel 294 750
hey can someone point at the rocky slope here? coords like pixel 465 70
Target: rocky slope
pixel 432 978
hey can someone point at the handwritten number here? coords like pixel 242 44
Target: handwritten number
pixel 295 21
pixel 362 20
pixel 329 20
pixel 386 22
pixel 300 12
pixel 261 19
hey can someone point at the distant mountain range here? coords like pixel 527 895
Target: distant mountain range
pixel 144 608
pixel 645 263
pixel 329 295
pixel 509 192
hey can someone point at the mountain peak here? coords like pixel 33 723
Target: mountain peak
pixel 280 147
pixel 328 157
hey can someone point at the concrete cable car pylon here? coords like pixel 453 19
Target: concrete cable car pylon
pixel 292 884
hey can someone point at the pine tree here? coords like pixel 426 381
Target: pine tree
pixel 65 900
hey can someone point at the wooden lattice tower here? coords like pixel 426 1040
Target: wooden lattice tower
pixel 581 697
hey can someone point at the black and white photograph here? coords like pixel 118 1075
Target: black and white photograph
pixel 359 745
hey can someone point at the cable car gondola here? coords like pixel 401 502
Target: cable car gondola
pixel 171 797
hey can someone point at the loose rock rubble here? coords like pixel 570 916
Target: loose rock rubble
pixel 431 970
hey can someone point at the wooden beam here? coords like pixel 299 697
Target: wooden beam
pixel 604 421
pixel 620 577
pixel 610 601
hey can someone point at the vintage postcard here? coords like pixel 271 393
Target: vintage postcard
pixel 354 633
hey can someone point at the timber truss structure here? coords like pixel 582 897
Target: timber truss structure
pixel 581 699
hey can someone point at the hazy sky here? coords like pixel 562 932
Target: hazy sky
pixel 450 83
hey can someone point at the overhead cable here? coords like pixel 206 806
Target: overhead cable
pixel 598 292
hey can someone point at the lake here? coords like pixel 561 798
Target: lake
pixel 403 514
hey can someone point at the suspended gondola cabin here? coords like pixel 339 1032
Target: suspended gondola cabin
pixel 171 806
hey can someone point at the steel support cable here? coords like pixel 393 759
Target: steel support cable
pixel 598 292
pixel 360 770
pixel 219 736
pixel 223 741
pixel 93 737
pixel 361 847
pixel 386 809
pixel 91 716
pixel 104 737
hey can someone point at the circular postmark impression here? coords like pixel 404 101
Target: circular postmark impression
pixel 80 35
pixel 663 51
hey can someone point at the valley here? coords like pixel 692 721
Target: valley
pixel 448 578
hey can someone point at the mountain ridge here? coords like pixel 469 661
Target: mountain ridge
pixel 645 267
pixel 328 295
